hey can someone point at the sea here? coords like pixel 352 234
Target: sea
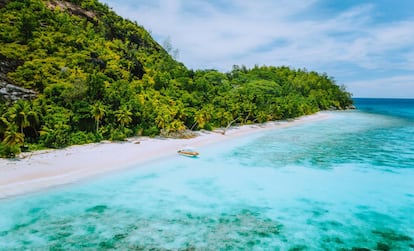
pixel 341 183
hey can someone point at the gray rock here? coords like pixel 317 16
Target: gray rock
pixel 9 92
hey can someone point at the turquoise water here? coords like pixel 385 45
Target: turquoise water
pixel 339 184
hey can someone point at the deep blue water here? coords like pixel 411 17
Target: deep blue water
pixel 394 107
pixel 342 183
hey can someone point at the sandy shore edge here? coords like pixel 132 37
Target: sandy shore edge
pixel 44 169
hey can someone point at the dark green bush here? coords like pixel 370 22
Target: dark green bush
pixel 9 151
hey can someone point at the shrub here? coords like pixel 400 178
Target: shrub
pixel 152 131
pixel 79 138
pixel 7 151
pixel 208 127
pixel 55 138
pixel 117 135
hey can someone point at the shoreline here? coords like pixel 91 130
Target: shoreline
pixel 44 169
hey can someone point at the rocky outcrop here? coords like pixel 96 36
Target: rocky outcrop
pixel 73 9
pixel 8 90
pixel 182 134
pixel 63 5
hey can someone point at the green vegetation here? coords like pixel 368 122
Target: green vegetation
pixel 99 76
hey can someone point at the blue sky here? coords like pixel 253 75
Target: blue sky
pixel 368 46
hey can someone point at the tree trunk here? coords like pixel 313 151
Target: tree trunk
pixel 192 127
pixel 228 125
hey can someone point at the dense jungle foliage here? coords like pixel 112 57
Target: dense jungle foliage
pixel 99 76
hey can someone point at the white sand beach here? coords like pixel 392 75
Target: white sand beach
pixel 44 169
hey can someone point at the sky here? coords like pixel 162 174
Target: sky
pixel 368 46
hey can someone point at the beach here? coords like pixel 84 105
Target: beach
pixel 44 169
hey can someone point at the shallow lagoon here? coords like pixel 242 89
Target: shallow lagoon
pixel 338 184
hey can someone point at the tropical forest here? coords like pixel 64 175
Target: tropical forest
pixel 75 72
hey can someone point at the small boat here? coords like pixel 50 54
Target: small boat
pixel 188 153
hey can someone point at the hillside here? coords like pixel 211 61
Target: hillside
pixel 80 73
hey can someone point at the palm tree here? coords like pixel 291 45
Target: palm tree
pixel 177 125
pixel 164 116
pixel 202 116
pixel 4 124
pixel 123 116
pixel 98 112
pixel 12 137
pixel 19 114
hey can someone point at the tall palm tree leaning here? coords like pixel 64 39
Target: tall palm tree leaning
pixel 98 112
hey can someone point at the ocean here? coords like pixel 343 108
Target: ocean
pixel 342 183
